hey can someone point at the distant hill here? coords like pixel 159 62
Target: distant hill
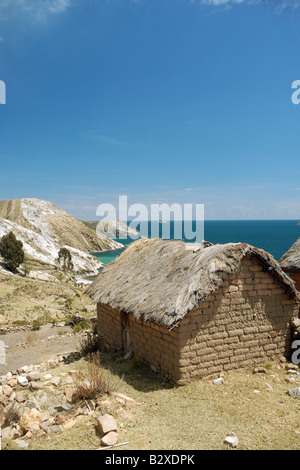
pixel 45 228
pixel 112 228
pixel 54 223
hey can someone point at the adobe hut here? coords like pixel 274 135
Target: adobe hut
pixel 290 263
pixel 192 310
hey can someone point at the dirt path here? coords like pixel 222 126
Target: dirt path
pixel 38 348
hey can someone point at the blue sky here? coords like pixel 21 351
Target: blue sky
pixel 163 100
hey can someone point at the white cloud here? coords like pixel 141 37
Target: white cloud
pixel 37 9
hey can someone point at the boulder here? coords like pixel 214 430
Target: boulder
pixel 110 439
pixel 106 424
pixel 33 376
pixel 22 381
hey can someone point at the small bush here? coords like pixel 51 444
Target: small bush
pixel 12 415
pixel 81 326
pixel 95 382
pixel 88 344
pixel 68 304
pixel 36 325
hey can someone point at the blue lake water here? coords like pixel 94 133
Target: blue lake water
pixel 274 236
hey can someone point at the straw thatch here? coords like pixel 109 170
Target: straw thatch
pixel 290 261
pixel 162 281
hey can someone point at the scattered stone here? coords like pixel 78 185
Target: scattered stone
pixel 232 440
pixel 55 428
pixel 67 380
pixel 219 381
pixel 289 380
pixel 21 444
pixel 7 390
pixel 60 419
pixel 79 412
pixel 259 370
pixel 295 323
pixel 7 433
pixel 44 416
pixel 36 386
pixel 47 377
pixel 12 382
pixel 45 428
pixel 69 424
pixel 106 424
pixel 124 399
pixel 110 439
pixel 22 381
pixel 69 392
pixel 103 403
pixel 295 392
pixel 292 371
pixel 55 381
pixel 33 427
pixel 19 397
pixel 52 411
pixel 34 376
pixel 61 408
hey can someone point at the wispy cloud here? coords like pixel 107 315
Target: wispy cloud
pixel 105 139
pixel 279 6
pixel 36 9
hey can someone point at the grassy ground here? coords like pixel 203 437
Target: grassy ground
pixel 24 300
pixel 195 416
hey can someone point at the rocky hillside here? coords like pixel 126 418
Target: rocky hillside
pixel 44 229
pixel 54 224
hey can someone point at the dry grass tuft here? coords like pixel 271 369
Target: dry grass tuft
pixel 11 415
pixel 94 382
pixel 88 344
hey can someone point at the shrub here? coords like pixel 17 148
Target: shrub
pixel 81 326
pixel 11 251
pixel 36 325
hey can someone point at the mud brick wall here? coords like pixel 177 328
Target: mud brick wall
pixel 157 347
pixel 152 344
pixel 109 327
pixel 296 278
pixel 244 323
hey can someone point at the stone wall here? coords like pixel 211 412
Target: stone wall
pixel 244 323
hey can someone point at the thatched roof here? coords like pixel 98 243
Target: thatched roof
pixel 290 261
pixel 162 281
